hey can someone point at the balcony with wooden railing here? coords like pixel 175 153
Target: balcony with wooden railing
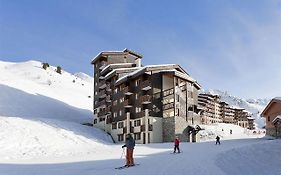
pixel 102 94
pixel 145 99
pixel 108 98
pixel 168 106
pixel 146 85
pixel 168 92
pixel 127 103
pixel 101 103
pixel 102 84
pixel 127 91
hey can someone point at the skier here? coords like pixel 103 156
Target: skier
pixel 230 131
pixel 218 140
pixel 177 144
pixel 130 144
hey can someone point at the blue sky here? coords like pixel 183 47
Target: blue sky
pixel 229 45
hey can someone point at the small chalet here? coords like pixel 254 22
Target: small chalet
pixel 272 115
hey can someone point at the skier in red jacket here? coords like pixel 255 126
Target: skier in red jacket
pixel 177 144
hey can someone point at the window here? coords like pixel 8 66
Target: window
pixel 137 82
pixel 137 136
pixel 138 109
pixel 137 96
pixel 137 123
pixel 115 90
pixel 114 114
pixel 268 118
pixel 120 125
pixel 95 111
pixel 120 113
pixel 122 100
pixel 120 137
pixel 95 121
pixel 114 125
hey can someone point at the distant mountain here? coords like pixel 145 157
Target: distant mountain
pixel 254 106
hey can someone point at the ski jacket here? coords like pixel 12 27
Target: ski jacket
pixel 130 143
pixel 177 141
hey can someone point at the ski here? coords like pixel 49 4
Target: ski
pixel 123 167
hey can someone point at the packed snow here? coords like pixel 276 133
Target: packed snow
pixel 41 113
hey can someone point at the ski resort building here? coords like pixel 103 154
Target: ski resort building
pixel 213 110
pixel 153 103
pixel 272 115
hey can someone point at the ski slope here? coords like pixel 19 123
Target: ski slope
pixel 41 113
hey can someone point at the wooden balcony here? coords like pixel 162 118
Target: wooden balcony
pixel 145 99
pixel 108 109
pixel 102 94
pixel 168 106
pixel 102 84
pixel 127 91
pixel 168 92
pixel 146 85
pixel 127 103
pixel 101 103
pixel 108 89
pixel 108 99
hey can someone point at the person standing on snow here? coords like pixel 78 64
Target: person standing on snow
pixel 130 144
pixel 177 144
pixel 218 140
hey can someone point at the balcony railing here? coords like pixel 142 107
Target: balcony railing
pixel 108 99
pixel 146 99
pixel 168 92
pixel 108 89
pixel 102 84
pixel 146 85
pixel 100 103
pixel 127 103
pixel 102 94
pixel 168 106
pixel 127 91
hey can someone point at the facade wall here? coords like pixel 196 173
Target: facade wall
pixel 274 111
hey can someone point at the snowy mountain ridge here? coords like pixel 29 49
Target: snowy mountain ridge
pixel 253 106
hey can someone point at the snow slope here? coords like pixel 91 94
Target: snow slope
pixel 254 106
pixel 244 156
pixel 41 113
pixel 27 90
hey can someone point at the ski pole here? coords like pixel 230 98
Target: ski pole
pixel 122 153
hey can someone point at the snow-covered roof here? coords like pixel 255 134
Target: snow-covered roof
pixel 278 98
pixel 276 119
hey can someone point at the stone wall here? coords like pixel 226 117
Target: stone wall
pixel 168 129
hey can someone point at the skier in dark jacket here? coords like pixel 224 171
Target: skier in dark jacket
pixel 130 144
pixel 177 144
pixel 218 140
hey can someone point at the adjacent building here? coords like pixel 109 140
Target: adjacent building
pixel 213 110
pixel 153 103
pixel 272 115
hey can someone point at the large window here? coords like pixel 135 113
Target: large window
pixel 137 123
pixel 137 136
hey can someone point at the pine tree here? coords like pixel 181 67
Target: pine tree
pixel 58 70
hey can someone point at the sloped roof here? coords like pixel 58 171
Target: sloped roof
pixel 107 53
pixel 274 100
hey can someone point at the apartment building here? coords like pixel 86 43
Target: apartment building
pixel 153 103
pixel 213 110
pixel 210 106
